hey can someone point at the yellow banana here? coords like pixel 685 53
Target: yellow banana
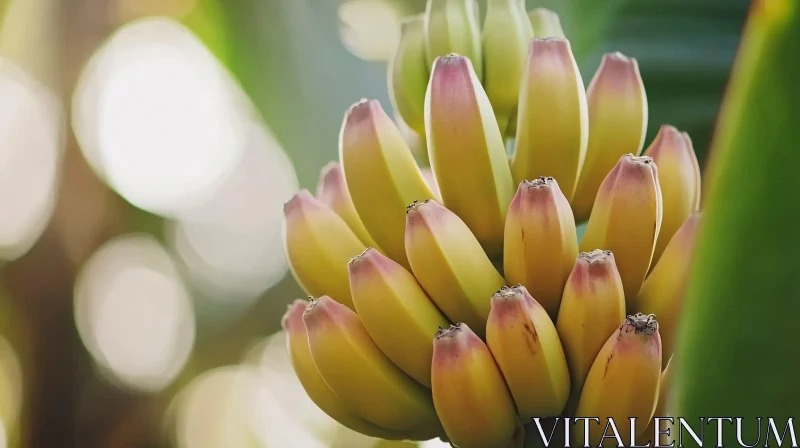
pixel 662 291
pixel 396 312
pixel 622 383
pixel 541 243
pixel 381 174
pixel 452 26
pixel 360 374
pixel 471 399
pixel 626 219
pixel 525 344
pixel 450 265
pixel 546 23
pixel 332 191
pixel 506 32
pixel 430 179
pixel 679 177
pixel 316 387
pixel 552 120
pixel 592 308
pixel 467 151
pixel 662 411
pixel 408 74
pixel 318 244
pixel 617 105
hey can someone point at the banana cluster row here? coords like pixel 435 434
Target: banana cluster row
pixel 455 300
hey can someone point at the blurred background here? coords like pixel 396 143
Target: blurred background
pixel 146 150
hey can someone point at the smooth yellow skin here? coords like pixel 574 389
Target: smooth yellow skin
pixel 662 291
pixel 318 244
pixel 546 23
pixel 396 312
pixel 316 387
pixel 622 383
pixel 452 26
pixel 679 177
pixel 541 243
pixel 506 32
pixel 525 344
pixel 408 73
pixel 361 375
pixel 470 396
pixel 381 174
pixel 467 151
pixel 662 411
pixel 618 116
pixel 552 120
pixel 626 220
pixel 592 308
pixel 332 191
pixel 450 265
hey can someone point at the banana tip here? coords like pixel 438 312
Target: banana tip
pixel 640 324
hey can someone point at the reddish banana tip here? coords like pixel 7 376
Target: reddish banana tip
pixel 617 72
pixel 631 168
pixel 362 111
pixel 539 192
pixel 300 200
pixel 668 139
pixel 424 213
pixel 451 82
pixel 368 261
pixel 451 341
pixel 508 301
pixel 293 318
pixel 548 46
pixel 331 180
pixel 321 310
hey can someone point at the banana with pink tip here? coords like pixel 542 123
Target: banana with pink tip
pixel 318 243
pixel 618 116
pixel 360 374
pixel 541 242
pixel 332 191
pixel 626 220
pixel 396 312
pixel 525 344
pixel 471 398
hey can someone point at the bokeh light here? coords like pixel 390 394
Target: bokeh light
pixel 370 29
pixel 231 246
pixel 31 131
pixel 134 314
pixel 156 117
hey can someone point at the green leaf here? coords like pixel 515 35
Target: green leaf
pixel 738 345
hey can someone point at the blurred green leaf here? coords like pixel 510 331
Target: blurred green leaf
pixel 739 351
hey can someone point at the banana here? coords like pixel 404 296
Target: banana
pixel 541 242
pixel 450 265
pixel 316 387
pixel 360 374
pixel 430 179
pixel 546 23
pixel 552 121
pixel 381 174
pixel 452 26
pixel 396 312
pixel 332 191
pixel 663 290
pixel 506 32
pixel 471 399
pixel 679 176
pixel 623 382
pixel 592 308
pixel 408 73
pixel 626 219
pixel 318 244
pixel 525 344
pixel 662 410
pixel 467 151
pixel 617 105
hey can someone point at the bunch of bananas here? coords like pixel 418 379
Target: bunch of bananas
pixel 455 300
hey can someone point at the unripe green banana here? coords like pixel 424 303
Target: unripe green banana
pixel 452 26
pixel 408 74
pixel 506 32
